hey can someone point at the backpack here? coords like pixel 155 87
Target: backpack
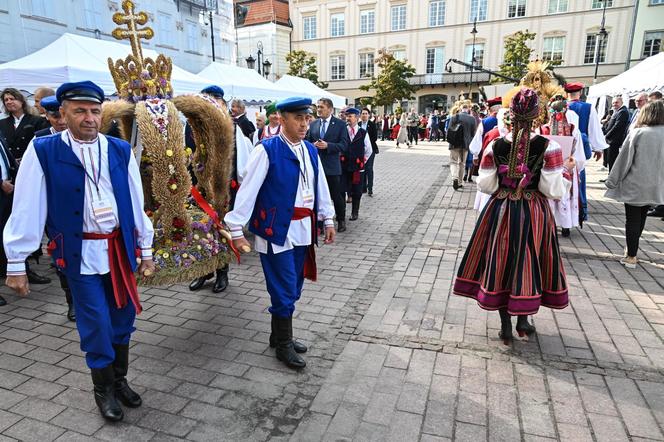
pixel 455 135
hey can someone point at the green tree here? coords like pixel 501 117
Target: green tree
pixel 391 84
pixel 301 64
pixel 517 55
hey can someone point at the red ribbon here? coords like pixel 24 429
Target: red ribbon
pixel 310 270
pixel 122 278
pixel 207 208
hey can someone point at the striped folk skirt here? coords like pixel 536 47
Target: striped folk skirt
pixel 513 260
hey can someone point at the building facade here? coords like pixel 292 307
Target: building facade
pixel 182 28
pixel 345 37
pixel 267 26
pixel 648 30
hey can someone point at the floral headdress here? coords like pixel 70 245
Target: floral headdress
pixel 558 123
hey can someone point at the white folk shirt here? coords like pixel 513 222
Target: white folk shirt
pixel 23 232
pixel 368 151
pixel 299 232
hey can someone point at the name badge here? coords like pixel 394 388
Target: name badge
pixel 102 211
pixel 307 197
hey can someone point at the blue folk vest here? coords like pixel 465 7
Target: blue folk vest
pixel 275 202
pixel 583 111
pixel 489 123
pixel 65 190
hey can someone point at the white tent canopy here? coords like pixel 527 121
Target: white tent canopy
pixel 302 86
pixel 647 76
pixel 247 84
pixel 76 58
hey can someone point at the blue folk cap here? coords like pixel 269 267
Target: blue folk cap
pixel 80 91
pixel 295 104
pixel 50 103
pixel 214 91
pixel 352 110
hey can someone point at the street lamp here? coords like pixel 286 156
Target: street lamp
pixel 207 20
pixel 259 62
pixel 599 39
pixel 472 58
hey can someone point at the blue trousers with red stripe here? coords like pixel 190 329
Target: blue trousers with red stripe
pixel 99 322
pixel 284 277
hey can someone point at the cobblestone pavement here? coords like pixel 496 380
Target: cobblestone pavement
pixel 392 355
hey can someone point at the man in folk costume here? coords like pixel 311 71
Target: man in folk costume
pixel 503 127
pixel 240 157
pixel 85 188
pixel 282 196
pixel 483 128
pixel 353 161
pixel 564 122
pixel 591 133
pixel 51 107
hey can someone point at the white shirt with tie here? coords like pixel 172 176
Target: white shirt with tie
pixel 324 126
pixel 368 151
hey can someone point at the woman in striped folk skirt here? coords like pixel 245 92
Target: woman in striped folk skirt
pixel 513 263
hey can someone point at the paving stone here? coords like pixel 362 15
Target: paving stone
pixel 168 423
pixel 633 408
pixel 79 421
pixel 33 430
pixel 380 408
pixel 607 428
pixel 39 388
pixel 346 420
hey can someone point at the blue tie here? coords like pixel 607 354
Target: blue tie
pixel 322 129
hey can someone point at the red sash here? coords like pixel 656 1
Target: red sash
pixel 310 271
pixel 122 277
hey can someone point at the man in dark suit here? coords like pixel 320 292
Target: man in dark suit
pixel 459 150
pixel 240 117
pixel 616 129
pixel 371 129
pixel 20 125
pixel 330 137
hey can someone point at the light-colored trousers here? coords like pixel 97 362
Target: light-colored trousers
pixel 457 163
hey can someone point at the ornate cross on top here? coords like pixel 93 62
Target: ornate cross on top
pixel 132 32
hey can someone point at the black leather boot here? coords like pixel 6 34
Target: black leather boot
pixel 197 283
pixel 103 380
pixel 298 346
pixel 123 391
pixel 341 226
pixel 285 349
pixel 221 282
pixel 523 327
pixel 355 210
pixel 505 326
pixel 71 311
pixel 34 278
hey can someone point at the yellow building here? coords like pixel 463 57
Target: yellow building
pixel 345 36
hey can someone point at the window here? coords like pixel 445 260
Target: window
pixel 657 2
pixel 337 25
pixel 192 36
pixel 591 48
pixel 337 67
pixel 366 65
pixel 516 8
pixel 553 49
pixel 435 60
pixel 165 32
pixel 309 27
pixel 479 54
pixel 42 8
pixel 599 4
pixel 367 21
pixel 398 17
pixel 558 6
pixel 399 54
pixel 93 18
pixel 437 13
pixel 653 43
pixel 478 10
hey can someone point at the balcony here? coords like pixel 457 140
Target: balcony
pixel 452 78
pixel 210 5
